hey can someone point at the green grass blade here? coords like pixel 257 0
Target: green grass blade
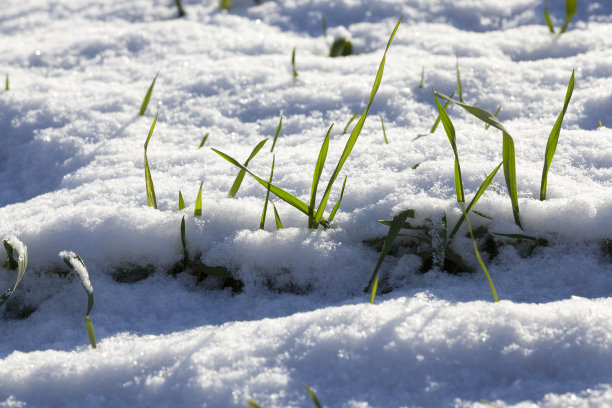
pixel 553 138
pixel 14 247
pixel 295 74
pixel 225 4
pixel 151 200
pixel 422 78
pixel 324 25
pixel 549 23
pixel 6 83
pixel 396 225
pixel 90 332
pixel 450 132
pixel 253 404
pixel 179 6
pixel 571 6
pixel 357 130
pixel 317 177
pixel 437 122
pixel 480 113
pixel 495 114
pixel 335 209
pixel 482 265
pixel 278 129
pixel 145 101
pixel 279 192
pixel 181 204
pixel 382 123
pixel 349 122
pixel 197 212
pixel 459 91
pixel 203 141
pixel 240 176
pixel 262 222
pixel 279 224
pixel 479 193
pixel 313 397
pixel 184 243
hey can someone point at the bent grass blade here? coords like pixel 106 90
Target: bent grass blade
pixel 313 397
pixel 553 138
pixel 148 180
pixel 14 246
pixel 145 101
pixel 240 176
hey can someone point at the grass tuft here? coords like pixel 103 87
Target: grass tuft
pixel 17 254
pixel 145 101
pixel 151 200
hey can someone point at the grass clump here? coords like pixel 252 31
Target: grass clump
pixel 145 101
pixel 17 254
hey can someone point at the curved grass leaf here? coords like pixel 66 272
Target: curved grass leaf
pixel 203 141
pixel 225 4
pixel 382 123
pixel 317 177
pixel 278 129
pixel 422 78
pixel 553 138
pixel 335 209
pixel 148 180
pixel 357 130
pixel 349 122
pixel 295 74
pixel 571 6
pixel 145 101
pixel 279 224
pixel 240 176
pixel 396 225
pixel 495 114
pixel 197 211
pixel 549 23
pixel 265 208
pixel 18 259
pixel 313 397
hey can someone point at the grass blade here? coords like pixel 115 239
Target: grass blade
pixel 179 6
pixel 151 200
pixel 436 123
pixel 295 74
pixel 495 114
pixel 341 47
pixel 479 193
pixel 324 25
pixel 335 209
pixel 253 404
pixel 553 138
pixel 549 23
pixel 203 141
pixel 317 177
pixel 14 247
pixel 76 264
pixel 197 212
pixel 263 215
pixel 184 244
pixel 240 176
pixel 147 97
pixel 459 81
pixel 349 122
pixel 278 129
pixel 396 225
pixel 571 6
pixel 6 83
pixel 422 77
pixel 450 132
pixel 225 4
pixel 279 224
pixel 382 123
pixel 357 130
pixel 313 397
pixel 181 204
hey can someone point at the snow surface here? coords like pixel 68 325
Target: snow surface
pixel 72 179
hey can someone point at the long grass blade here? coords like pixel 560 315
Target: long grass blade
pixel 277 220
pixel 262 222
pixel 396 225
pixel 181 204
pixel 240 176
pixel 479 193
pixel 317 177
pixel 459 91
pixel 197 212
pixel 145 101
pixel 436 123
pixel 295 74
pixel 571 6
pixel 495 114
pixel 553 138
pixel 382 124
pixel 349 122
pixel 357 130
pixel 549 23
pixel 203 141
pixel 313 397
pixel 18 259
pixel 225 4
pixel 278 129
pixel 335 209
pixel 151 200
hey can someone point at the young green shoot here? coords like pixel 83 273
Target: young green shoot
pixel 436 123
pixel 225 4
pixel 295 74
pixel 571 6
pixel 148 180
pixel 549 23
pixel 76 264
pixel 382 124
pixel 17 254
pixel 6 83
pixel 197 212
pixel 422 78
pixel 278 129
pixel 240 176
pixel 324 25
pixel 145 101
pixel 349 122
pixel 341 47
pixel 179 6
pixel 459 91
pixel 277 220
pixel 317 177
pixel 253 404
pixel 262 222
pixel 495 114
pixel 335 209
pixel 203 141
pixel 181 204
pixel 553 138
pixel 313 397
pixel 184 244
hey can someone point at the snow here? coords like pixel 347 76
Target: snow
pixel 72 179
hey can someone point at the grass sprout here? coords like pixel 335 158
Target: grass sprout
pixel 203 141
pixel 436 123
pixel 265 208
pixel 225 4
pixel 148 180
pixel 571 7
pixel 75 263
pixel 349 122
pixel 181 204
pixel 313 397
pixel 459 91
pixel 145 101
pixel 553 138
pixel 341 47
pixel 295 74
pixel 382 124
pixel 240 176
pixel 179 6
pixel 277 220
pixel 316 178
pixel 495 114
pixel 335 209
pixel 197 212
pixel 422 77
pixel 17 253
pixel 278 129
pixel 6 83
pixel 253 404
pixel 184 244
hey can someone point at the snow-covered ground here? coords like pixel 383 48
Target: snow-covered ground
pixel 72 178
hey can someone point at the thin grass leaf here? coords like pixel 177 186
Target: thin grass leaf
pixel 324 25
pixel 253 404
pixel 18 259
pixel 240 176
pixel 279 224
pixel 482 215
pixel 482 265
pixel 262 222
pixel 181 204
pixel 76 264
pixel 295 74
pixel 422 78
pixel 278 129
pixel 357 130
pixel 549 23
pixel 317 177
pixel 6 83
pixel 313 397
pixel 553 138
pixel 349 122
pixel 197 212
pixel 203 141
pixel 396 225
pixel 179 6
pixel 459 91
pixel 382 123
pixel 450 132
pixel 225 4
pixel 436 123
pixel 571 6
pixel 145 101
pixel 495 114
pixel 507 151
pixel 335 209
pixel 151 200
pixel 341 47
pixel 416 166
pixel 517 236
pixel 600 125
pixel 479 193
pixel 184 244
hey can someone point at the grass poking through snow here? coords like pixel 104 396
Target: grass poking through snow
pixel 241 173
pixel 17 254
pixel 151 200
pixel 145 101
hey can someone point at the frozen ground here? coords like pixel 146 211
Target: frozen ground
pixel 72 178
